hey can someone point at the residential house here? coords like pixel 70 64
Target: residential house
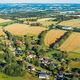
pixel 31 67
pixel 31 56
pixel 43 75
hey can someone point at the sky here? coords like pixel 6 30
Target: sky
pixel 39 1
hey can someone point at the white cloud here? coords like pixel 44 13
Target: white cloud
pixel 39 1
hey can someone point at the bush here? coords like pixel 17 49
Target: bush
pixel 14 69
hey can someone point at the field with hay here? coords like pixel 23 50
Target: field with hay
pixel 74 64
pixel 73 23
pixel 73 55
pixel 22 29
pixel 46 21
pixel 4 20
pixel 72 43
pixel 53 35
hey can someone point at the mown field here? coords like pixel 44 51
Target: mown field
pixel 4 20
pixel 73 55
pixel 46 22
pixel 52 36
pixel 22 29
pixel 74 64
pixel 72 43
pixel 73 23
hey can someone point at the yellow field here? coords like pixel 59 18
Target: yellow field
pixel 73 55
pixel 52 36
pixel 1 32
pixel 72 43
pixel 73 23
pixel 22 29
pixel 74 64
pixel 4 20
pixel 46 21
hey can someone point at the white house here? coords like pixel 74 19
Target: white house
pixel 67 27
pixel 43 75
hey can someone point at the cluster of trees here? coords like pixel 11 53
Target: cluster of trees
pixel 9 65
pixel 64 18
pixel 36 24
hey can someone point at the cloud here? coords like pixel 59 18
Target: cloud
pixel 39 1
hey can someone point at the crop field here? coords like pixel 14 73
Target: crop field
pixel 74 64
pixel 72 43
pixel 73 23
pixel 22 29
pixel 73 55
pixel 4 20
pixel 46 21
pixel 52 36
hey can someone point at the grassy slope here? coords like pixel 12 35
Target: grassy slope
pixel 27 76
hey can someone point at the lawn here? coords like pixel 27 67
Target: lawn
pixel 27 76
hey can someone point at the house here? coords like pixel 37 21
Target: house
pixel 60 76
pixel 45 61
pixel 19 42
pixel 3 63
pixel 18 51
pixel 41 58
pixel 67 27
pixel 43 75
pixel 31 56
pixel 8 43
pixel 19 61
pixel 30 67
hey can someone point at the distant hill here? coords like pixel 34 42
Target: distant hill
pixel 14 7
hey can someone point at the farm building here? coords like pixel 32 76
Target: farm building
pixel 67 28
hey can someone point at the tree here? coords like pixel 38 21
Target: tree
pixel 27 40
pixel 14 69
pixel 36 62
